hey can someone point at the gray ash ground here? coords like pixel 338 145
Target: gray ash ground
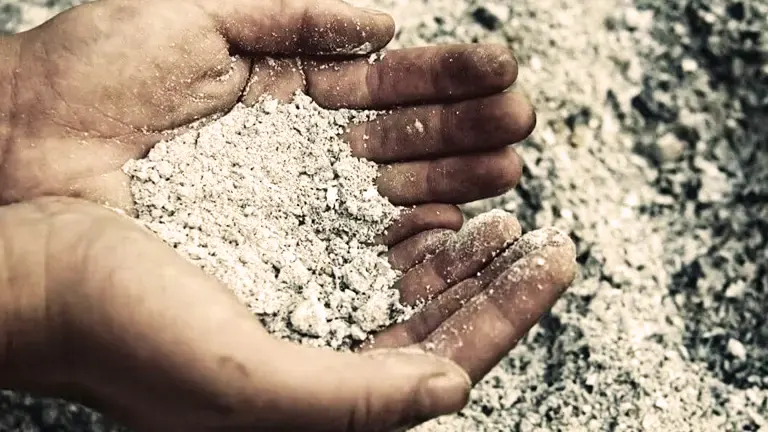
pixel 723 292
pixel 652 152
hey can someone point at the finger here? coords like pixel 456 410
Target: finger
pixel 426 320
pixel 482 332
pixel 149 354
pixel 472 248
pixel 432 131
pixel 414 75
pixel 308 389
pixel 452 180
pixel 408 253
pixel 420 218
pixel 525 245
pixel 429 318
pixel 311 27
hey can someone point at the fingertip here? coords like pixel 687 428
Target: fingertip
pixel 526 244
pixel 508 170
pixel 521 108
pixel 368 30
pixel 565 273
pixel 468 252
pixel 559 251
pixel 412 251
pixel 498 63
pixel 440 386
pixel 454 218
pixel 449 391
pixel 493 224
pixel 533 120
pixel 423 218
pixel 377 389
pixel 384 27
pixel 375 33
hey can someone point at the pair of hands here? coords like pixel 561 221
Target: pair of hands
pixel 97 310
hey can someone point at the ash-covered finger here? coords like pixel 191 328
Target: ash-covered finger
pixel 481 239
pixel 451 179
pixel 413 251
pixel 414 220
pixel 430 131
pixel 426 320
pixel 429 318
pixel 527 244
pixel 413 76
pixel 484 330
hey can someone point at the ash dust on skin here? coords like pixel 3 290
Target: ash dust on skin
pixel 651 153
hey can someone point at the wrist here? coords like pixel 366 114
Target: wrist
pixel 9 52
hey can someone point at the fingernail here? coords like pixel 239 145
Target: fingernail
pixel 444 385
pixel 447 393
pixel 448 390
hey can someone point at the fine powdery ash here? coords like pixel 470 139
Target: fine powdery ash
pixel 270 200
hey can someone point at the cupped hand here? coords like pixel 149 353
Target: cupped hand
pixel 101 83
pixel 118 320
pixel 147 337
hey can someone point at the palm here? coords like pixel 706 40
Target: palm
pixel 105 95
pixel 161 346
pixel 111 95
pixel 93 93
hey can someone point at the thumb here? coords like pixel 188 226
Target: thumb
pixel 382 390
pixel 312 27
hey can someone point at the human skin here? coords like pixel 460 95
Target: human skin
pixel 95 309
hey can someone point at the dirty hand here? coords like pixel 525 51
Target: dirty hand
pixel 101 83
pixel 119 321
pixel 96 309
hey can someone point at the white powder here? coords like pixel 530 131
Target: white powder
pixel 270 201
